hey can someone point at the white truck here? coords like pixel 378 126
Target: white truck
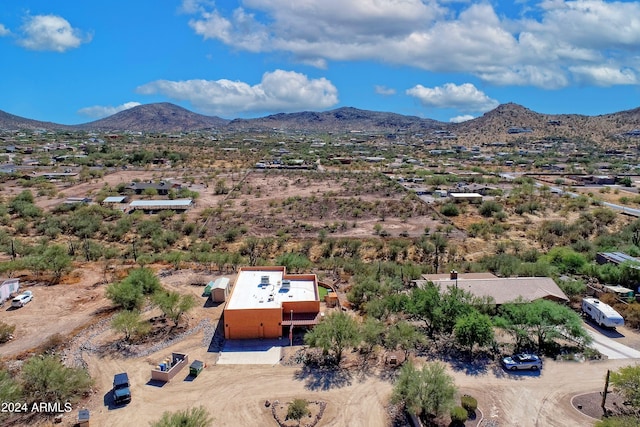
pixel 601 313
pixel 7 288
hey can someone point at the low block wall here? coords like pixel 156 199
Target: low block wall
pixel 178 361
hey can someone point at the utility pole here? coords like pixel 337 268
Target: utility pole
pixel 291 331
pixel 604 393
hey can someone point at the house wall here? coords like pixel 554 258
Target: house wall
pixel 300 307
pixel 253 323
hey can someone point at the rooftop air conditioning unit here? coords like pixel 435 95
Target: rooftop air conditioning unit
pixel 286 283
pixel 264 280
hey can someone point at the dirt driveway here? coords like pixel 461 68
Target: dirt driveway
pixel 235 395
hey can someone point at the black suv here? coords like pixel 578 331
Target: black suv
pixel 121 391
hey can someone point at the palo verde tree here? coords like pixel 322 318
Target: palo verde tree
pixel 173 304
pixel 626 381
pixel 473 328
pixel 130 323
pixel 337 332
pixel 541 321
pixel 403 335
pixel 429 390
pixel 46 379
pixel 130 292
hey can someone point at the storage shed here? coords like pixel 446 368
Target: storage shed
pixel 220 290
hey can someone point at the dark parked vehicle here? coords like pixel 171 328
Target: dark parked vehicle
pixel 121 390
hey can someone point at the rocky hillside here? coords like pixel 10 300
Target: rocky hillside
pixel 340 120
pixel 11 122
pixel 161 117
pixel 507 122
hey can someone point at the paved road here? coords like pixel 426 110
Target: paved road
pixel 611 348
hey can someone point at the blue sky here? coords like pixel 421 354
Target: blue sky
pixel 75 61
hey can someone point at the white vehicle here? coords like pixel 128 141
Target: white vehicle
pixel 22 299
pixel 601 313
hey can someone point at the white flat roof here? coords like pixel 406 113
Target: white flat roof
pixel 149 203
pixel 465 195
pixel 249 292
pixel 114 199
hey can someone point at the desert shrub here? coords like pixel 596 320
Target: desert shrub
pixel 458 415
pixel 10 389
pixel 297 409
pixel 488 208
pixel 194 417
pixel 52 343
pixel 449 209
pixel 6 331
pixel 469 403
pixel 46 379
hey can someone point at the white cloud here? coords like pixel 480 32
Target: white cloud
pixel 548 45
pixel 383 90
pixel 50 32
pixel 460 119
pixel 464 97
pixel 604 75
pixel 279 91
pixel 100 111
pixel 4 31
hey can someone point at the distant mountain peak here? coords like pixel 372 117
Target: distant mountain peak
pixel 157 117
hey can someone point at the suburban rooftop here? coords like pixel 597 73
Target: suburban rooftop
pixel 269 288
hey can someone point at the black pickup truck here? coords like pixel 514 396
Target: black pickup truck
pixel 121 390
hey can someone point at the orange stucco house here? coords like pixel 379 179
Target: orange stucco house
pixel 266 302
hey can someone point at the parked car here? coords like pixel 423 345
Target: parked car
pixel 121 389
pixel 22 299
pixel 522 361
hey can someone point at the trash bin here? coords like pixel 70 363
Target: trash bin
pixel 195 368
pixel 83 418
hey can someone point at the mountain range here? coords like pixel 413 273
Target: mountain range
pixel 501 123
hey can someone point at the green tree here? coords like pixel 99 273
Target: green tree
pixel 46 379
pixel 618 421
pixel 372 333
pixel 144 279
pixel 57 261
pixel 404 335
pixel 541 321
pixel 429 390
pixel 626 381
pixel 298 409
pixel 194 417
pixel 173 304
pixel 335 333
pixel 473 328
pixel 10 389
pixel 130 324
pixel 424 304
pixel 294 262
pixel 125 294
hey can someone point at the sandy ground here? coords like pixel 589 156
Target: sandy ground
pixel 235 394
pixel 55 309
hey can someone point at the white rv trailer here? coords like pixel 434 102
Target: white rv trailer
pixel 601 313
